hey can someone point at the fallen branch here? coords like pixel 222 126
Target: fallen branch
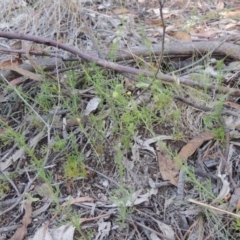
pixel 176 49
pixel 183 49
pixel 117 67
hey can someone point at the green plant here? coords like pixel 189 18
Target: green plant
pixel 220 75
pixel 204 192
pixel 74 166
pixel 121 197
pixel 219 134
pixel 74 218
pixel 214 118
pixel 235 227
pixel 4 186
pixel 216 224
pixel 19 138
pixel 204 187
pixel 71 98
pixel 58 144
pixel 48 95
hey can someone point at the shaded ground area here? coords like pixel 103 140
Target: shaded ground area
pixel 146 149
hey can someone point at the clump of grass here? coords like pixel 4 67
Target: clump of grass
pixel 235 227
pixel 74 167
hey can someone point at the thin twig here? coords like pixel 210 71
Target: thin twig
pixel 194 104
pixel 181 185
pixel 114 66
pixel 161 3
pixel 135 227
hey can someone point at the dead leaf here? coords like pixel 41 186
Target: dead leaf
pixel 82 220
pixel 225 187
pixel 146 144
pixel 25 72
pixel 227 198
pixel 27 219
pixel 233 14
pixel 138 198
pixel 17 81
pixel 5 64
pixel 183 36
pixel 92 105
pixel 145 197
pixel 65 232
pixel 194 144
pixel 77 200
pixel 232 104
pixel 167 230
pixel 27 47
pixel 42 233
pixel 104 229
pixel 225 183
pixel 167 167
pixel 16 45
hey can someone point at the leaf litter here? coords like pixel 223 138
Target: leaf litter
pixel 146 186
pixel 27 219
